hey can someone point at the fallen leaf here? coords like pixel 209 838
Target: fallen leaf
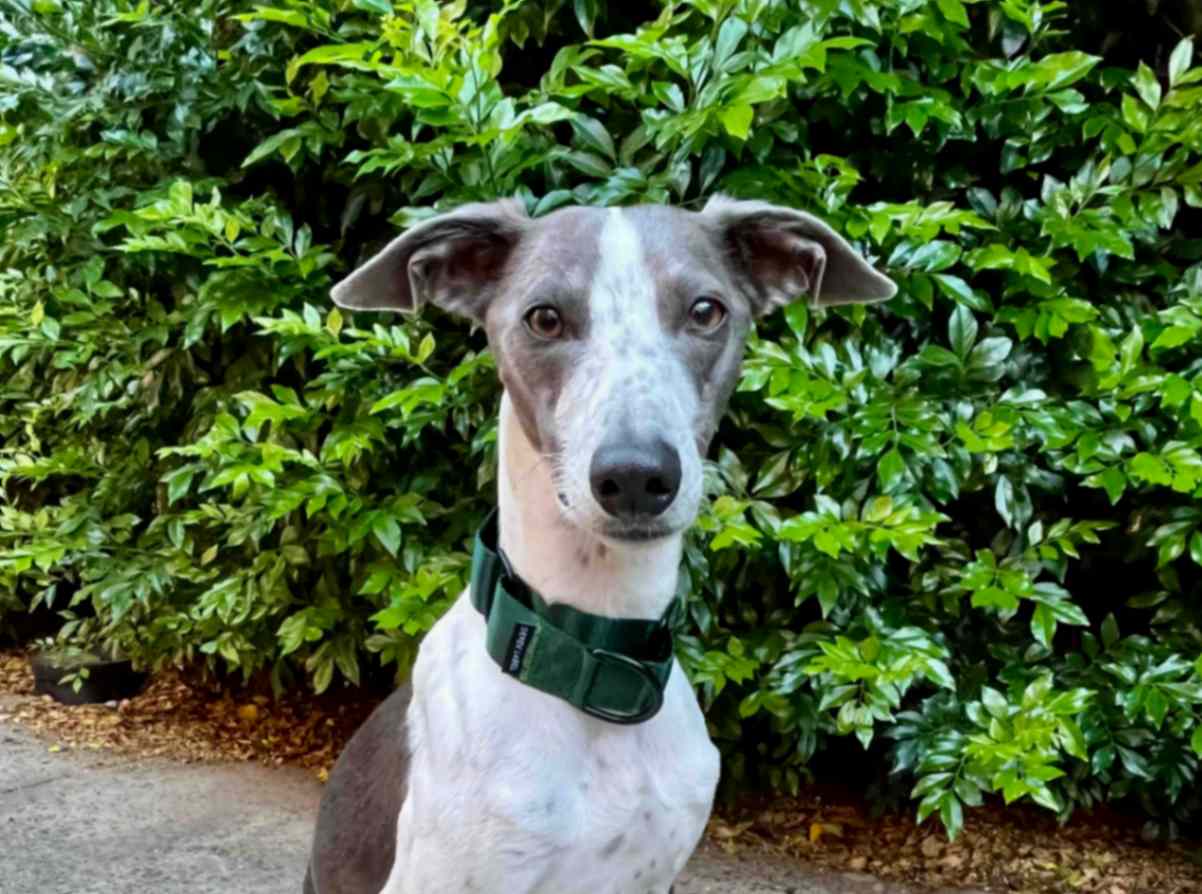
pixel 817 830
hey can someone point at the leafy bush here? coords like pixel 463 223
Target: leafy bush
pixel 963 528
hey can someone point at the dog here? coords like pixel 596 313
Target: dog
pixel 617 334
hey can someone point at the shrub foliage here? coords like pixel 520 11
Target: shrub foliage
pixel 962 528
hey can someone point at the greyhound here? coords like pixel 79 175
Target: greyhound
pixel 618 334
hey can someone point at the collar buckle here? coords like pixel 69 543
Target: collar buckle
pixel 650 702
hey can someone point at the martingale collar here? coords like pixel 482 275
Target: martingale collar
pixel 614 669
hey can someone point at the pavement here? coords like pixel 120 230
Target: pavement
pixel 99 823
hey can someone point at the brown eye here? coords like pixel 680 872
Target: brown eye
pixel 707 314
pixel 545 322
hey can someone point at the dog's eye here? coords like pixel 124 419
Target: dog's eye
pixel 545 322
pixel 707 314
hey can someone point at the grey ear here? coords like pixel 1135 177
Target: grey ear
pixel 778 254
pixel 454 261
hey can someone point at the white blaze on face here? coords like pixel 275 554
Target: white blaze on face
pixel 630 384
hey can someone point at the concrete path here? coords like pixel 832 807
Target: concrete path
pixel 92 823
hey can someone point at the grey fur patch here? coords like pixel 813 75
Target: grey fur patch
pixel 779 253
pixel 553 265
pixel 454 260
pixel 354 844
pixel 611 847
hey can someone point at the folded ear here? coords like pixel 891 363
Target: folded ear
pixel 454 261
pixel 778 254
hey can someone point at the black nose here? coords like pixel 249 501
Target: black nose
pixel 635 479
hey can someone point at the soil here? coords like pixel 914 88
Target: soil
pixel 184 717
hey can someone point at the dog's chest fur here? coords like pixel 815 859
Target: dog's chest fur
pixel 511 789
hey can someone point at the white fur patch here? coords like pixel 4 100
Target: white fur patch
pixel 512 790
pixel 630 380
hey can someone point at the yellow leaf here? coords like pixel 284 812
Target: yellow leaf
pixel 39 314
pixel 817 830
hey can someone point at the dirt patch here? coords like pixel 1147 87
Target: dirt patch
pixel 188 718
pixel 185 717
pixel 1015 848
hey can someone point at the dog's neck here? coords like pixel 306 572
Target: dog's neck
pixel 562 562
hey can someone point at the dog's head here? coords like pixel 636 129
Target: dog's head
pixel 618 333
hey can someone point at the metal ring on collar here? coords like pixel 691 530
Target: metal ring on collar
pixel 651 686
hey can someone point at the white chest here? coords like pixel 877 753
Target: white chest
pixel 513 790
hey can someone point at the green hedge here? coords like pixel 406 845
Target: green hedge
pixel 962 528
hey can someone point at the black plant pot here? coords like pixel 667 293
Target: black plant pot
pixel 22 627
pixel 108 678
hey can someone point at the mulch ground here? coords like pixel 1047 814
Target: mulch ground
pixel 187 718
pixel 180 716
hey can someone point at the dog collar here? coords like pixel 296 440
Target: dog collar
pixel 614 669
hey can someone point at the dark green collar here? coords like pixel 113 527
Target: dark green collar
pixel 612 668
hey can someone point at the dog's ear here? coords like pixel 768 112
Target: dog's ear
pixel 454 261
pixel 778 254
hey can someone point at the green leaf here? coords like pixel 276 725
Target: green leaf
pixel 1073 739
pixel 935 255
pixel 1110 631
pixel 1134 114
pixel 285 16
pixel 379 7
pixel 587 163
pixel 990 352
pixel 178 483
pixel 334 322
pixel 1043 625
pixel 960 291
pixel 890 469
pixel 268 147
pixel 878 509
pixel 388 532
pixel 797 316
pixel 1058 70
pixel 1150 468
pixel 778 477
pixel 730 35
pixel 737 119
pixel 1180 59
pixel 1003 500
pixel 1147 86
pixel 334 54
pixel 1175 337
pixel 954 11
pixel 586 15
pixel 995 703
pixel 994 597
pixel 593 136
pixel 962 331
pixel 323 676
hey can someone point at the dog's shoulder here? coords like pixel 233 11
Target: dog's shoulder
pixel 354 845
